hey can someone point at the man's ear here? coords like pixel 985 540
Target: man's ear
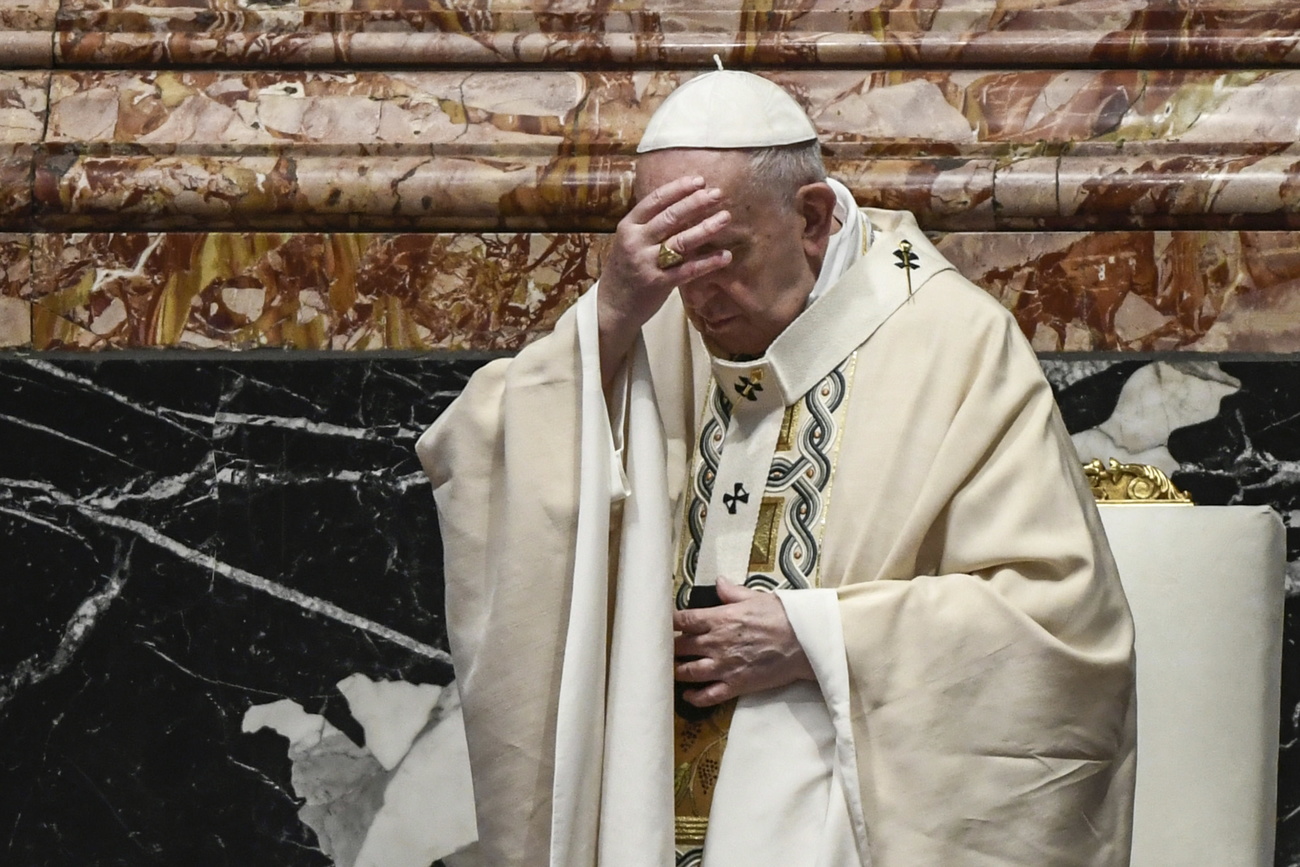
pixel 816 204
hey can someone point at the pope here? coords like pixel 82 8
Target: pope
pixel 776 551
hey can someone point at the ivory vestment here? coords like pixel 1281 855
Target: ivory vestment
pixel 986 713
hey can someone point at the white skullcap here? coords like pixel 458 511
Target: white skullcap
pixel 727 109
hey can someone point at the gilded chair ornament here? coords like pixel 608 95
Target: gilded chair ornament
pixel 1131 483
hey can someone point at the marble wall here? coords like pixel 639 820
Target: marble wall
pixel 248 250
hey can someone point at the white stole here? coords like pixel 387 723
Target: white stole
pixel 790 806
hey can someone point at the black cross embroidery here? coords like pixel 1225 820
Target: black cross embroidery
pixel 908 261
pixel 746 389
pixel 730 500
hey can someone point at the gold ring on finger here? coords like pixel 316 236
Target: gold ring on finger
pixel 668 257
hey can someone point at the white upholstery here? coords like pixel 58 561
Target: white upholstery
pixel 1206 587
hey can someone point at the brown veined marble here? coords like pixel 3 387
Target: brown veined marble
pixel 1141 291
pixel 27 32
pixel 23 97
pixel 1150 192
pixel 552 150
pixel 545 113
pixel 1070 291
pixel 304 291
pixel 640 32
pixel 15 291
pixel 427 193
pixel 23 106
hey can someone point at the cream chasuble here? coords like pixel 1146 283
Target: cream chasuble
pixel 972 646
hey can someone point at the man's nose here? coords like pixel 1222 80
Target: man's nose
pixel 699 292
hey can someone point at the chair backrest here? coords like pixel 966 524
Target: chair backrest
pixel 1206 586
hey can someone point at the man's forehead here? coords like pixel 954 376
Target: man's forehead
pixel 716 166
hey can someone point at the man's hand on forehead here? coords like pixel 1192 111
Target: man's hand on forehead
pixel 682 217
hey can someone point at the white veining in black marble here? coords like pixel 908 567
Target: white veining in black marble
pixel 183 541
pixel 189 545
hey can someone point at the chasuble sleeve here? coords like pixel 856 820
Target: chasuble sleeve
pixel 988 641
pixel 503 463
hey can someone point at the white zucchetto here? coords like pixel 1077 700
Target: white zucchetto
pixel 727 109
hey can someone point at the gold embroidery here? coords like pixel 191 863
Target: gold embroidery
pixel 762 552
pixel 691 830
pixel 698 746
pixel 784 440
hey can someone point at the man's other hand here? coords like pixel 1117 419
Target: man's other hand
pixel 744 645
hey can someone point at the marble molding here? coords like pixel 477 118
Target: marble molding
pixel 806 32
pixel 27 33
pixel 306 291
pixel 548 150
pixel 206 556
pixel 1127 291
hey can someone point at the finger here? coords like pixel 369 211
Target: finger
pixel 662 197
pixel 687 214
pixel 692 645
pixel 712 694
pixel 696 236
pixel 691 621
pixel 729 592
pixel 693 269
pixel 696 671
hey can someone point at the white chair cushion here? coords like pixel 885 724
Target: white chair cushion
pixel 1206 587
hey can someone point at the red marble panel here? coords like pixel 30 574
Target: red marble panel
pixel 552 150
pixel 1142 291
pixel 1070 291
pixel 15 291
pixel 305 291
pixel 1150 192
pixel 27 33
pixel 906 113
pixel 640 32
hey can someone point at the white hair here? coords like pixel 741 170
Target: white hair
pixel 782 170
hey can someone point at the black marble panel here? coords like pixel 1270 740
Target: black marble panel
pixel 185 537
pixel 181 540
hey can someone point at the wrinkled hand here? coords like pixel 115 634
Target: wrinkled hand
pixel 682 214
pixel 746 645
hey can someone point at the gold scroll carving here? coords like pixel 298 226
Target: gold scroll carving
pixel 1131 483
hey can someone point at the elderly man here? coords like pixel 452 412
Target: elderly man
pixel 770 390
